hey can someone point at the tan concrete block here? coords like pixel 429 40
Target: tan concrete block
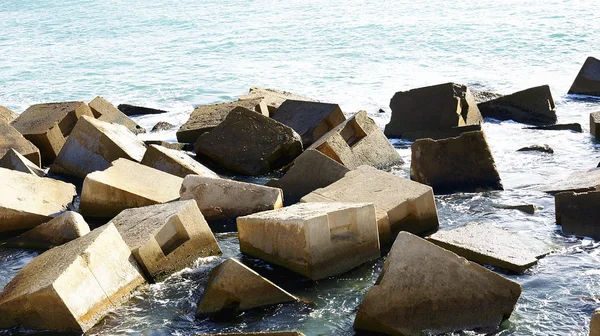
pixel 103 110
pixel 10 138
pixel 271 97
pixel 7 115
pixel 174 162
pixel 15 161
pixel 59 230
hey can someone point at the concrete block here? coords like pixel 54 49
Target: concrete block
pixel 577 181
pixel 10 138
pixel 587 81
pixel 534 106
pixel 103 110
pixel 595 323
pixel 15 161
pixel 595 124
pixel 174 162
pixel 58 231
pixel 272 98
pixel 578 213
pixel 6 115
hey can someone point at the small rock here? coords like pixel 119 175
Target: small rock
pixel 58 231
pixel 162 126
pixel 578 213
pixel 174 162
pixel 103 110
pixel 587 81
pixel 131 110
pixel 10 138
pixel 559 127
pixel 381 110
pixel 537 148
pixel 534 106
pixel 7 115
pixel 483 96
pixel 526 208
pixel 15 161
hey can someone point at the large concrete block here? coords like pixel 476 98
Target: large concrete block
pixel 174 162
pixel 464 163
pixel 311 170
pixel 7 115
pixel 534 106
pixel 435 107
pixel 488 244
pixel 60 230
pixel 595 323
pixel 311 120
pixel 424 288
pixel 358 141
pixel 27 201
pixel 578 213
pixel 166 238
pixel 48 125
pixel 595 124
pixel 400 204
pixel 93 145
pixel 73 286
pixel 587 81
pixel 10 138
pixel 271 97
pixel 103 110
pixel 221 199
pixel 204 118
pixel 15 161
pixel 126 184
pixel 317 240
pixel 578 181
pixel 250 143
pixel 233 287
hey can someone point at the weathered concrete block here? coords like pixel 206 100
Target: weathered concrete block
pixel 7 115
pixel 575 127
pixel 166 238
pixel 10 138
pixel 587 81
pixel 48 125
pixel 595 323
pixel 440 134
pixel 250 143
pixel 534 106
pixel 578 213
pixel 126 184
pixel 317 240
pixel 93 145
pixel 464 163
pixel 425 288
pixel 272 98
pixel 221 199
pixel 27 201
pixel 205 118
pixel 174 162
pixel 358 141
pixel 131 110
pixel 266 333
pixel 311 170
pixel 15 161
pixel 578 181
pixel 103 110
pixel 234 287
pixel 400 204
pixel 311 120
pixel 71 287
pixel 58 231
pixel 595 124
pixel 488 244
pixel 435 107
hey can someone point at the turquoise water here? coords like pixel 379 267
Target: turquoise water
pixel 177 54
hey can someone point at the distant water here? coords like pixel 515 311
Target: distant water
pixel 177 54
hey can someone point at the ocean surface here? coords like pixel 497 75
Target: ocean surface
pixel 175 55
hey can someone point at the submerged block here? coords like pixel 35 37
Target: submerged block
pixel 587 81
pixel 232 287
pixel 400 204
pixel 131 110
pixel 424 288
pixel 317 240
pixel 73 286
pixel 534 106
pixel 126 184
pixel 93 145
pixel 103 110
pixel 48 125
pixel 15 161
pixel 10 138
pixel 27 201
pixel 578 213
pixel 358 141
pixel 174 162
pixel 60 230
pixel 166 238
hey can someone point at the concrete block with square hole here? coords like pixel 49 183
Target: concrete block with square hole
pixel 166 238
pixel 317 240
pixel 358 141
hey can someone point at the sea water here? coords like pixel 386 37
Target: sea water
pixel 175 55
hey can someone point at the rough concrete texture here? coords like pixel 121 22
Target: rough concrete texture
pixel 534 106
pixel 358 141
pixel 174 162
pixel 578 213
pixel 204 118
pixel 526 208
pixel 317 240
pixel 131 110
pixel 595 323
pixel 93 145
pixel 266 333
pixel 126 184
pixel 171 145
pixel 166 238
pixel 48 125
pixel 311 170
pixel 575 127
pixel 483 96
pixel 73 286
pixel 7 115
pixel 15 161
pixel 250 143
pixel 425 289
pixel 587 81
pixel 400 204
pixel 162 126
pixel 233 287
pixel 103 110
pixel 271 97
pixel 595 124
pixel 311 120
pixel 27 201
pixel 435 107
pixel 60 230
pixel 221 199
pixel 578 181
pixel 464 163
pixel 440 134
pixel 488 244
pixel 10 138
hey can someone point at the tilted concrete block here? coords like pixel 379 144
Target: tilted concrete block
pixel 174 162
pixel 578 213
pixel 15 161
pixel 534 106
pixel 10 138
pixel 7 115
pixel 103 110
pixel 587 81
pixel 271 97
pixel 60 230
